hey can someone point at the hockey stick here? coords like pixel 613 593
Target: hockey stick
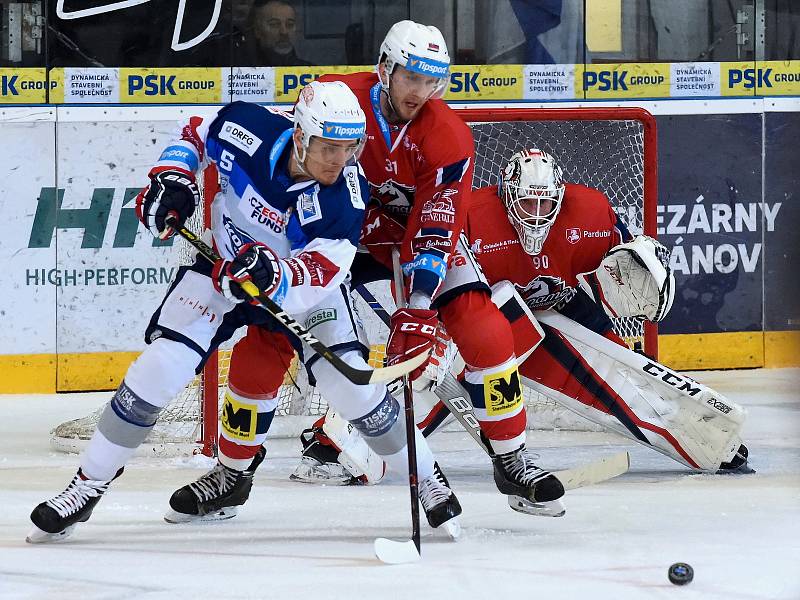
pixel 357 376
pixel 455 398
pixel 390 551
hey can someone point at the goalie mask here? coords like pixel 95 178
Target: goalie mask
pixel 421 49
pixel 329 111
pixel 532 188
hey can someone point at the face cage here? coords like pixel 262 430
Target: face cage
pixel 531 229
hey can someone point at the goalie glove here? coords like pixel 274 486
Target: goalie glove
pixel 633 280
pixel 171 192
pixel 256 263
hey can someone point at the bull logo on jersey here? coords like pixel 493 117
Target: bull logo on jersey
pixel 544 291
pixel 395 198
pixel 502 392
pixel 573 235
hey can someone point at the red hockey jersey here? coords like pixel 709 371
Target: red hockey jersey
pixel 420 177
pixel 585 230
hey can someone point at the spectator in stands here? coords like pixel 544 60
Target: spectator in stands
pixel 274 30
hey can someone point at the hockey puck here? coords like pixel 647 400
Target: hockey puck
pixel 680 573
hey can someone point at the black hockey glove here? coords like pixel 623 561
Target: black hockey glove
pixel 170 192
pixel 580 307
pixel 256 263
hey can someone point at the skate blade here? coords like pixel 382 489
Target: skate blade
pixel 393 552
pixel 553 508
pixel 306 477
pixel 37 536
pixel 453 528
pixel 177 518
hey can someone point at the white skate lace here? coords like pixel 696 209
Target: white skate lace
pixel 78 492
pixel 213 484
pixel 433 491
pixel 519 465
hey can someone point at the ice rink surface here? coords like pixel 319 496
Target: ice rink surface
pixel 740 533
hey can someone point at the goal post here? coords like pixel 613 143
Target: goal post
pixel 611 149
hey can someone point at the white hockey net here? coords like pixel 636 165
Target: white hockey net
pixel 609 149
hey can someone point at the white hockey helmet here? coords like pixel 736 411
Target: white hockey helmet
pixel 329 110
pixel 530 177
pixel 420 49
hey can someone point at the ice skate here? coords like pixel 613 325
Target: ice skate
pixel 55 519
pixel 531 489
pixel 215 496
pixel 738 464
pixel 320 462
pixel 439 502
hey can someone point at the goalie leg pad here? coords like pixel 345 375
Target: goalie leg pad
pixel 634 396
pixel 355 455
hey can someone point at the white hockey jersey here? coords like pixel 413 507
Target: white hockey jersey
pixel 312 227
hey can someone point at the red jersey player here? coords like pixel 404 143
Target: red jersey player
pixel 564 249
pixel 419 160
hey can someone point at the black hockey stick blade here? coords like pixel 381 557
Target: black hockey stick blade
pixel 357 376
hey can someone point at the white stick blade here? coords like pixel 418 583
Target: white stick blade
pixel 601 470
pixel 398 370
pixel 392 552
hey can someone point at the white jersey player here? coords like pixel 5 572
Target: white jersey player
pixel 287 220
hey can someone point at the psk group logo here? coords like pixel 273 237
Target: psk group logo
pixel 24 86
pixel 189 85
pixel 290 80
pixel 768 78
pixel 487 82
pixel 627 80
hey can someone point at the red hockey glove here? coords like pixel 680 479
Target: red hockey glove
pixel 413 331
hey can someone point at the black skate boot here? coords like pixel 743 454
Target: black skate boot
pixel 320 461
pixel 738 464
pixel 439 502
pixel 55 519
pixel 215 496
pixel 530 489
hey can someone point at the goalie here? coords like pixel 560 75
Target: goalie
pixel 574 263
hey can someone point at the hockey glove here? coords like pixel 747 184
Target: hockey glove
pixel 412 332
pixel 170 192
pixel 256 263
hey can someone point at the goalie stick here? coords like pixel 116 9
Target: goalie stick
pixel 455 398
pixel 357 376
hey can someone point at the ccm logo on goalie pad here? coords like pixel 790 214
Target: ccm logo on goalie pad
pixel 502 392
pixel 684 384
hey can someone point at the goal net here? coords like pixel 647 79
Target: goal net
pixel 611 149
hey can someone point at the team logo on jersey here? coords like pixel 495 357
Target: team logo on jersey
pixel 394 197
pixel 502 392
pixel 440 208
pixel 240 137
pixel 308 209
pixel 573 235
pixel 239 419
pixel 544 291
pixel 236 236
